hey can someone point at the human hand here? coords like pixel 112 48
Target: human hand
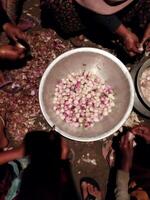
pixel 126 148
pixel 130 40
pixel 11 52
pixel 132 44
pixel 142 131
pixel 13 32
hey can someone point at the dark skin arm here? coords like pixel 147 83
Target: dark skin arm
pixel 13 154
pixel 19 152
pixel 11 52
pixel 13 31
pixel 126 149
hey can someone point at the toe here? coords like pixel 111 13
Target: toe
pixel 84 188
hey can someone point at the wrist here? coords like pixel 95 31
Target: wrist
pixel 123 32
pixel 125 167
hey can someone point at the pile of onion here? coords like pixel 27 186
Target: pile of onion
pixel 83 99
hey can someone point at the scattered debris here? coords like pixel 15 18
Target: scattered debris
pixel 132 120
pixel 86 158
pixel 21 97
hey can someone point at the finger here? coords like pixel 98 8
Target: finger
pixel 130 144
pixel 140 129
pixel 17 34
pixel 140 134
pixel 25 37
pixel 122 141
pixel 136 50
pixel 135 129
pixel 12 55
pixel 20 35
pixel 65 149
pixel 131 53
pixel 90 188
pixel 13 37
pixel 20 46
pixel 20 52
pixel 137 126
pixel 17 53
pixel 126 140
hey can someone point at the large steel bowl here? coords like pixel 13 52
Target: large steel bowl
pixel 104 65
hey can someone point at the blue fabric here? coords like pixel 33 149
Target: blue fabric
pixel 15 186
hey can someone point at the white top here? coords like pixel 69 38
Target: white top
pixel 101 7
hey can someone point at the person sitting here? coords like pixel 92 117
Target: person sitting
pixel 10 52
pixel 48 173
pixel 128 20
pixel 14 33
pixel 90 188
pixel 48 170
pixel 125 189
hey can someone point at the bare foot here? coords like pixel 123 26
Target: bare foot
pixel 90 189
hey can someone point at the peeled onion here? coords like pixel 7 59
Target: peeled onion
pixel 83 99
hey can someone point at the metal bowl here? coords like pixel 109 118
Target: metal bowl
pixel 104 65
pixel 140 72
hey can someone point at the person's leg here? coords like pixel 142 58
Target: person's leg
pixel 90 189
pixel 3 139
pixel 13 9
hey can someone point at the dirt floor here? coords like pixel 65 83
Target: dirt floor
pixel 21 99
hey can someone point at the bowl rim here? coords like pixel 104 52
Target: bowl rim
pixel 142 68
pixel 114 59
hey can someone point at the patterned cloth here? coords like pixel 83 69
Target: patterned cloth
pixel 136 15
pixel 65 14
pixel 13 8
